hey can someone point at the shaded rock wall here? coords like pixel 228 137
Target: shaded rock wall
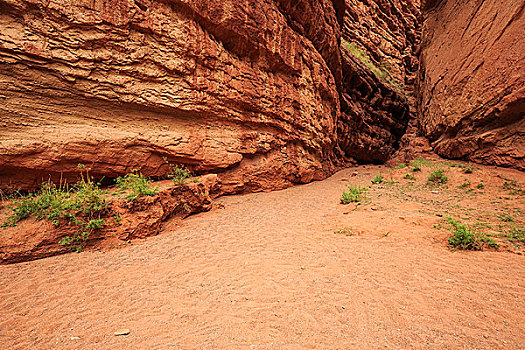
pixel 389 32
pixel 472 80
pixel 380 46
pixel 246 89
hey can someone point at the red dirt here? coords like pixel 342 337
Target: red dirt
pixel 266 270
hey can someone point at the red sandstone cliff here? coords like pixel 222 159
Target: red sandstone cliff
pixel 379 46
pixel 242 88
pixel 263 93
pixel 472 80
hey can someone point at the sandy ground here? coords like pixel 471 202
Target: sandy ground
pixel 268 271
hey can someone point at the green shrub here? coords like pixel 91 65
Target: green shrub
pixel 463 237
pixel 81 207
pixel 409 176
pixel 464 184
pixel 354 195
pixel 136 184
pixel 377 179
pixel 480 186
pixel 178 173
pixel 437 177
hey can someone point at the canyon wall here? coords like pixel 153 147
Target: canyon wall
pixel 380 43
pixel 246 89
pixel 264 93
pixel 472 80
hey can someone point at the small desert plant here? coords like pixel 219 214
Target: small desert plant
pixel 345 232
pixel 505 217
pixel 409 176
pixel 516 234
pixel 137 185
pixel 513 187
pixel 463 237
pixel 79 206
pixel 464 184
pixel 468 169
pixel 377 179
pixel 178 173
pixel 418 163
pixel 480 186
pixel 353 195
pixel 400 166
pixel 437 177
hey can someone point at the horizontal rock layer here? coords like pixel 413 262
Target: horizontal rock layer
pixel 374 115
pixel 245 89
pixel 472 80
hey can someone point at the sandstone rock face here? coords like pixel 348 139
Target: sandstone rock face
pixel 472 80
pixel 245 89
pixel 379 46
pixel 374 115
pixel 389 32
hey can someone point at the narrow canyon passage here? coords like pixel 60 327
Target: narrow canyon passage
pixel 266 270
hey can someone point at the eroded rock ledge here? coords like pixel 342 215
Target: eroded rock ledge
pixel 125 220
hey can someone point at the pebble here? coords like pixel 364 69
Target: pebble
pixel 122 332
pixel 74 338
pixel 435 192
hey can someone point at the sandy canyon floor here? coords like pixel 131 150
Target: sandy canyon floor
pixel 292 269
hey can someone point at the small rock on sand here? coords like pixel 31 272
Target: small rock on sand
pixel 122 332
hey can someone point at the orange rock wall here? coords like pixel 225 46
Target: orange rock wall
pixel 472 80
pixel 246 89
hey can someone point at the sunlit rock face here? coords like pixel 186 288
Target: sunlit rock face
pixel 245 89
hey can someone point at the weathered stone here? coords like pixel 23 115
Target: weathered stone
pixel 472 80
pixel 241 88
pixel 380 41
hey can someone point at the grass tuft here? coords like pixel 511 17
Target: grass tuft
pixel 437 177
pixel 354 195
pixel 377 179
pixel 136 184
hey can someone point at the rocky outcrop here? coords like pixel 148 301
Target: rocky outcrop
pixel 379 46
pixel 246 90
pixel 374 115
pixel 124 220
pixel 472 80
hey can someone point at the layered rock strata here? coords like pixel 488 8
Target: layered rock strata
pixel 245 89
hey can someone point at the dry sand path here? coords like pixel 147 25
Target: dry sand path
pixel 266 271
